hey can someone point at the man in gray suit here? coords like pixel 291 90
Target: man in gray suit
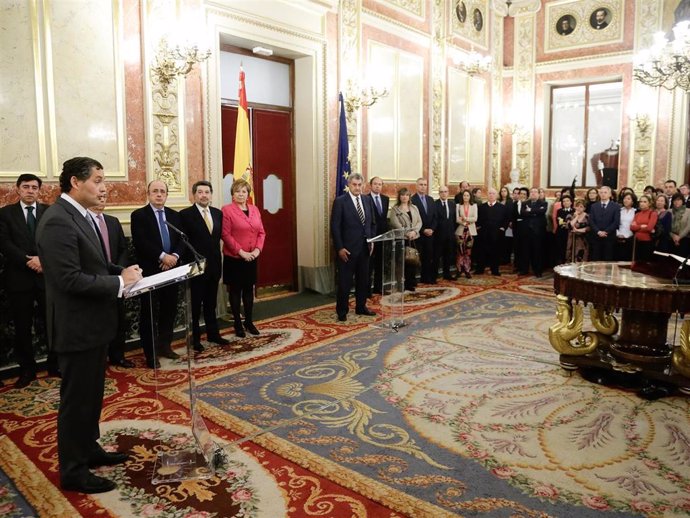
pixel 82 288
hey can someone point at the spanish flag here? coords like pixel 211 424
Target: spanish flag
pixel 242 167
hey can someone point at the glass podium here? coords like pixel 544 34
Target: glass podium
pixel 198 461
pixel 393 268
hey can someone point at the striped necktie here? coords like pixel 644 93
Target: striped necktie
pixel 359 210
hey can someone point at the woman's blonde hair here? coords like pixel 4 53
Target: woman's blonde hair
pixel 239 184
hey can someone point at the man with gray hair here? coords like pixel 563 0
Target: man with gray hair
pixel 352 223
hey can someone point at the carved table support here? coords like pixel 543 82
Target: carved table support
pixel 566 335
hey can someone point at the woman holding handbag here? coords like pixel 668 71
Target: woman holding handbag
pixel 406 216
pixel 466 218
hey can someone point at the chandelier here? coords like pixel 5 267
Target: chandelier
pixel 666 63
pixel 473 63
pixel 172 62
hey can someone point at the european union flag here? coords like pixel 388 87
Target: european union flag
pixel 343 169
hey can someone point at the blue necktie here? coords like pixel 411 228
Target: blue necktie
pixel 423 198
pixel 378 205
pixel 31 221
pixel 165 236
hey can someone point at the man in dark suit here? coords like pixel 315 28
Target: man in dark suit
pixel 425 243
pixel 520 232
pixel 203 225
pixel 116 250
pixel 446 244
pixel 158 248
pixel 604 220
pixel 352 223
pixel 380 202
pixel 82 289
pixel 24 275
pixel 492 221
pixel 535 231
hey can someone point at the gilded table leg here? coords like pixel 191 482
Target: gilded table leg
pixel 566 335
pixel 681 355
pixel 603 320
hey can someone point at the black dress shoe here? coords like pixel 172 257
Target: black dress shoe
pixel 153 365
pixel 169 353
pixel 54 372
pixel 342 318
pixel 239 332
pixel 249 326
pixel 89 484
pixel 219 340
pixel 478 272
pixel 366 312
pixel 108 459
pixel 497 274
pixel 198 347
pixel 24 380
pixel 124 363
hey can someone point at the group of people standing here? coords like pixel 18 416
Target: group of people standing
pixel 74 268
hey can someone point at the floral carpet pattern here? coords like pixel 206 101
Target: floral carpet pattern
pixel 463 412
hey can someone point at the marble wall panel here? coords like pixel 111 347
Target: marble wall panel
pixel 85 81
pixel 22 139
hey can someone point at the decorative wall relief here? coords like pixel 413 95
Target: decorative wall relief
pixel 414 6
pixel 523 95
pixel 576 23
pixel 469 19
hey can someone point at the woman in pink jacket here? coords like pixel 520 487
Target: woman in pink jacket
pixel 243 239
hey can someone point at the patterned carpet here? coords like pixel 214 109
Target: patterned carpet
pixel 463 412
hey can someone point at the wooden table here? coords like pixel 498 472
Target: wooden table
pixel 630 314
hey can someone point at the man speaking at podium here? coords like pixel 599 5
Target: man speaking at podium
pixel 82 288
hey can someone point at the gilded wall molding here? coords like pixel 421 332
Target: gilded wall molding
pixel 438 74
pixel 496 101
pixel 350 43
pixel 642 138
pixel 523 96
pixel 413 6
pixel 581 32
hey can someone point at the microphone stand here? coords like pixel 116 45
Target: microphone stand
pixel 198 258
pixel 680 268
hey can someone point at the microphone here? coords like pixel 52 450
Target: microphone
pixel 198 258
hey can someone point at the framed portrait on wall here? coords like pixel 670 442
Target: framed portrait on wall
pixel 461 11
pixel 469 20
pixel 582 23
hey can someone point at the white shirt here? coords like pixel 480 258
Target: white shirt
pixel 208 214
pixel 361 203
pixel 26 212
pixel 627 216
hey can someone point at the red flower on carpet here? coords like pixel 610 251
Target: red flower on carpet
pixel 546 491
pixel 503 472
pixel 652 464
pixel 152 509
pixel 7 508
pixel 595 502
pixel 197 514
pixel 642 506
pixel 683 504
pixel 242 495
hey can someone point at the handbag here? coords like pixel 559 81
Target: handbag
pixel 412 255
pixel 470 241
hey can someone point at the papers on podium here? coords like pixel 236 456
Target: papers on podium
pixel 160 279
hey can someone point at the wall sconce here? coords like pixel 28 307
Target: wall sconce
pixel 642 121
pixel 473 63
pixel 367 96
pixel 172 62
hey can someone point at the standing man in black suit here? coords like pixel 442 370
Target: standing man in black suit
pixel 82 288
pixel 492 221
pixel 425 243
pixel 203 225
pixel 352 223
pixel 25 286
pixel 380 203
pixel 446 245
pixel 520 241
pixel 604 220
pixel 535 231
pixel 116 252
pixel 158 248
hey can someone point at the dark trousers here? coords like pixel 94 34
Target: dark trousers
pixel 601 248
pixel 81 399
pixel 116 349
pixel 445 249
pixel 427 270
pixel 357 266
pixel 491 250
pixel 164 310
pixel 376 268
pixel 534 247
pixel 28 309
pixel 204 291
